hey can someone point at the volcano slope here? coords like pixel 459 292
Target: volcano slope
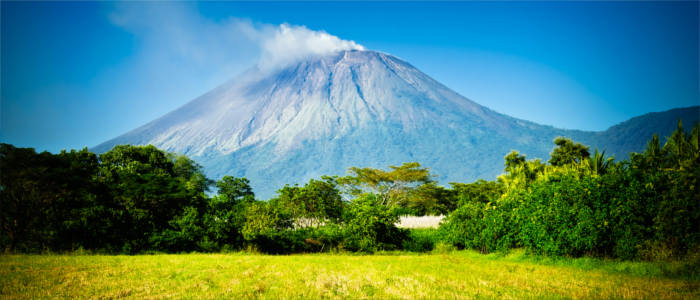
pixel 324 114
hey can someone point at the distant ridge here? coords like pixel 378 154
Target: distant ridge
pixel 633 134
pixel 324 114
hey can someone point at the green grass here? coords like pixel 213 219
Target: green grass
pixel 463 274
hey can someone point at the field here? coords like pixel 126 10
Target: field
pixel 462 274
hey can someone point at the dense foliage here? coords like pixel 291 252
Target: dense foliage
pixel 580 204
pixel 138 198
pixel 370 226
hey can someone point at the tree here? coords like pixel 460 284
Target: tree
pixel 513 160
pixel 682 148
pixel 46 200
pixel 22 197
pixel 391 186
pixel 190 173
pixel 600 164
pixel 76 215
pixel 430 199
pixel 370 226
pixel 225 216
pixel 481 191
pixel 567 152
pixel 146 191
pixel 235 189
pixel 519 171
pixel 315 202
pixel 263 218
pixel 677 211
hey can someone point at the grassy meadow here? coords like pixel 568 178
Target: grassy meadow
pixel 461 274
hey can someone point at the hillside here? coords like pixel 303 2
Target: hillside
pixel 633 134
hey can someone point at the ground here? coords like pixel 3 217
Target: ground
pixel 462 274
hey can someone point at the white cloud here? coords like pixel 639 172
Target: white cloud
pixel 176 32
pixel 174 36
pixel 288 43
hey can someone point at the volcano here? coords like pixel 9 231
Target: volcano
pixel 323 114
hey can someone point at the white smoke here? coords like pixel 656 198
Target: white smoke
pixel 288 43
pixel 177 32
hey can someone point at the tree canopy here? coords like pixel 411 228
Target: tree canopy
pixel 392 186
pixel 567 152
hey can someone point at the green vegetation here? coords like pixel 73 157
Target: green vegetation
pixel 423 240
pixel 645 208
pixel 577 226
pixel 462 274
pixel 137 199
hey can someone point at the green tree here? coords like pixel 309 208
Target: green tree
pixel 370 226
pixel 22 196
pixel 235 189
pixel 48 201
pixel 225 218
pixel 146 192
pixel 75 214
pixel 190 173
pixel 479 191
pixel 600 164
pixel 316 202
pixel 430 199
pixel 567 152
pixel 268 228
pixel 519 172
pixel 392 187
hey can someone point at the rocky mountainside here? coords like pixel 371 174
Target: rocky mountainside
pixel 324 114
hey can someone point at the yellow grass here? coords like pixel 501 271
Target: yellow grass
pixel 461 275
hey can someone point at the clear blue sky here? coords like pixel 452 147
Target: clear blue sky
pixel 77 74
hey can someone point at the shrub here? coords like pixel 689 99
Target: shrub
pixel 421 240
pixel 267 228
pixel 186 232
pixel 564 215
pixel 482 226
pixel 370 226
pixel 463 226
pixel 321 239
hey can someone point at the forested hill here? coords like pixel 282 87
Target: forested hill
pixel 633 134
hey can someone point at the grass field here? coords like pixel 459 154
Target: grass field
pixel 462 274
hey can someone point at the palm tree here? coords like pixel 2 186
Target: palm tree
pixel 682 147
pixel 677 145
pixel 599 163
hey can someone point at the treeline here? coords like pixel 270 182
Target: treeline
pixel 134 199
pixel 581 204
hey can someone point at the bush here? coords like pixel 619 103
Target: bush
pixel 184 236
pixel 485 227
pixel 315 239
pixel 421 240
pixel 370 226
pixel 564 215
pixel 268 228
pixel 463 226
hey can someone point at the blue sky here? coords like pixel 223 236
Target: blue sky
pixel 77 74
